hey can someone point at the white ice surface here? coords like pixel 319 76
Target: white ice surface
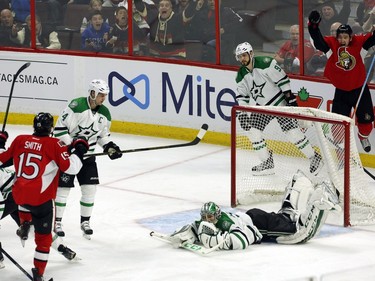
pixel 162 190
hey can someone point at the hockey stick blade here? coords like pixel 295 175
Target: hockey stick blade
pixel 201 250
pixel 197 140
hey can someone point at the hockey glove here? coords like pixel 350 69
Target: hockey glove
pixel 290 99
pixel 79 147
pixel 113 150
pixel 3 139
pixel 314 18
pixel 288 63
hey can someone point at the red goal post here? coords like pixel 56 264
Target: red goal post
pixel 330 135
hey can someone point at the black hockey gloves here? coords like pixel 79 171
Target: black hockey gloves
pixel 3 139
pixel 79 147
pixel 290 99
pixel 314 18
pixel 113 150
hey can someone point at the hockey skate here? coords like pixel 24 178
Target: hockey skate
pixel 86 229
pixel 366 145
pixel 58 229
pixel 316 163
pixel 23 232
pixel 67 253
pixel 264 168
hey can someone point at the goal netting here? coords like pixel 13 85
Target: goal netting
pixel 270 144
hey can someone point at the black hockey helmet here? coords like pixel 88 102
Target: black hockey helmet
pixel 43 124
pixel 344 28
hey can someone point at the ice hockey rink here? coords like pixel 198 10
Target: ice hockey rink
pixel 162 190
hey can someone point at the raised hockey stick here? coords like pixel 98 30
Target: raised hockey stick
pixel 195 141
pixel 342 149
pixel 363 87
pixel 22 68
pixel 201 250
pixel 16 263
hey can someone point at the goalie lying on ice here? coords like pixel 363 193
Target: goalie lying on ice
pixel 303 212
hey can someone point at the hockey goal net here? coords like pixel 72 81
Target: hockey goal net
pixel 254 180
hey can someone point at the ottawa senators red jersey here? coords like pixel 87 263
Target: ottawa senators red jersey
pixel 345 68
pixel 37 161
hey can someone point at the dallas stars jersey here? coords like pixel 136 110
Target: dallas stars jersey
pixel 264 85
pixel 240 228
pixel 79 120
pixel 6 183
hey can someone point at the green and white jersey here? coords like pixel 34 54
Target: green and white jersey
pixel 6 184
pixel 79 120
pixel 239 227
pixel 264 85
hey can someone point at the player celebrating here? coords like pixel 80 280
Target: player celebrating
pixel 85 117
pixel 38 158
pixel 303 212
pixel 261 81
pixel 346 71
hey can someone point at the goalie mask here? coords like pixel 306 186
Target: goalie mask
pixel 210 212
pixel 98 86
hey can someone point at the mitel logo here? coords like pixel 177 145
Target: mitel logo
pixel 136 90
pixel 196 96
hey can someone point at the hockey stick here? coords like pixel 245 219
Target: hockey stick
pixel 342 149
pixel 22 68
pixel 16 263
pixel 197 139
pixel 368 173
pixel 186 245
pixel 363 86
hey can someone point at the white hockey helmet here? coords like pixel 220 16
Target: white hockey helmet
pixel 98 86
pixel 242 48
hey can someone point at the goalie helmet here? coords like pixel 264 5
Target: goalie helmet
pixel 242 48
pixel 210 212
pixel 98 86
pixel 43 124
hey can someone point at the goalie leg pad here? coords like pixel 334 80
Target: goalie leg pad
pixel 185 233
pixel 296 196
pixel 310 228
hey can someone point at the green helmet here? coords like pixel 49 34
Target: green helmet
pixel 210 208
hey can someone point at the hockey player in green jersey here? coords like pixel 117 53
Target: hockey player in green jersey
pixel 85 117
pixel 303 212
pixel 261 81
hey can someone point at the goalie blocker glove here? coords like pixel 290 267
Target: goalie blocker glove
pixel 79 146
pixel 3 138
pixel 113 150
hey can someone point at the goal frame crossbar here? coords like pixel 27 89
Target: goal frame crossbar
pixel 344 123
